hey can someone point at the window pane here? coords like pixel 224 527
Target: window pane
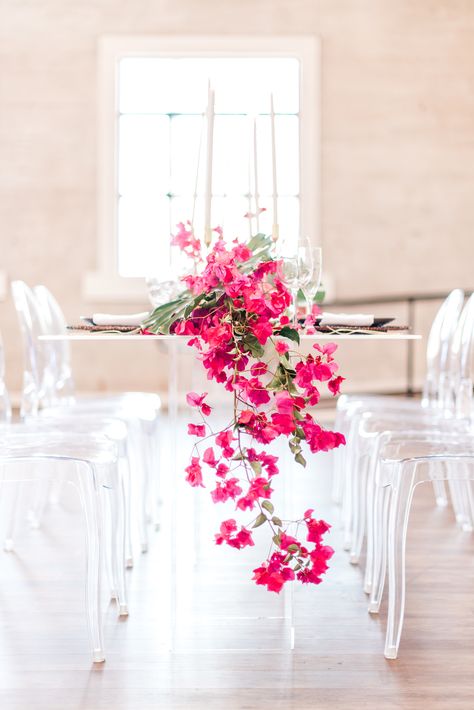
pixel 242 85
pixel 187 134
pixel 287 155
pixel 144 154
pixel 144 242
pixel 230 174
pixel 162 140
pixel 289 219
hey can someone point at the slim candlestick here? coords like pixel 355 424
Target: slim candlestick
pixel 255 174
pixel 249 168
pixel 196 181
pixel 275 228
pixel 210 146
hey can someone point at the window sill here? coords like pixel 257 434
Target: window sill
pixel 110 288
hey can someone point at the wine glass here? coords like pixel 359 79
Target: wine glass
pixel 312 255
pixel 289 267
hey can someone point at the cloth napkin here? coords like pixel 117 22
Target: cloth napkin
pixel 132 319
pixel 357 319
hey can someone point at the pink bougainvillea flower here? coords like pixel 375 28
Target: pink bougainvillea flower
pixel 209 457
pixel 335 385
pixel 224 439
pixel 284 402
pixel 197 400
pixel 243 304
pixel 194 477
pixel 258 369
pixel 281 347
pixel 262 330
pixel 256 392
pixel 227 489
pixel 284 423
pixel 316 529
pixel 327 349
pixel 226 529
pixel 222 470
pixel 287 540
pixel 251 215
pixel 196 429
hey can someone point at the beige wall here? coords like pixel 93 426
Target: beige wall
pixel 397 149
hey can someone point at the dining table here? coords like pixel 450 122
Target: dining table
pixel 173 344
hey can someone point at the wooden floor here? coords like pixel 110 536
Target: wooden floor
pixel 210 640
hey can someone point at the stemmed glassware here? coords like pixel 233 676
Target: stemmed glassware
pixel 290 275
pixel 302 270
pixel 309 254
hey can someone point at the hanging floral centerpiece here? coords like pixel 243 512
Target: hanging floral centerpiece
pixel 234 312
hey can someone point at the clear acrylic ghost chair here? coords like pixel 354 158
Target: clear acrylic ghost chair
pixel 40 394
pixel 54 323
pixel 453 420
pixel 77 439
pixel 38 391
pixel 402 413
pixel 94 470
pixel 91 465
pixel 445 442
pixel 437 351
pixel 145 405
pixel 400 477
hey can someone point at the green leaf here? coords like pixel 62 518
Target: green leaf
pixel 290 333
pixel 277 521
pixel 256 467
pixel 293 548
pixel 268 506
pixel 277 539
pixel 299 458
pixel 252 344
pixel 261 519
pixel 279 379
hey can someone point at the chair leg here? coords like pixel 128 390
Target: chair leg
pixel 94 542
pixel 117 494
pixel 402 495
pixel 359 509
pixel 124 464
pixel 370 524
pixel 12 520
pixel 379 541
pixel 440 492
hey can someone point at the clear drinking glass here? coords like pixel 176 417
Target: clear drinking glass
pixel 291 280
pixel 310 255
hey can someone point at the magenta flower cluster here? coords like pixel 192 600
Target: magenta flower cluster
pixel 236 319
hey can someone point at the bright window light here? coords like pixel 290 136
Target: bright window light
pixel 161 103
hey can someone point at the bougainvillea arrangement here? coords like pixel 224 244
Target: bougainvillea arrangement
pixel 233 309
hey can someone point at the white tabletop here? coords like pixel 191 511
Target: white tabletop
pixel 125 337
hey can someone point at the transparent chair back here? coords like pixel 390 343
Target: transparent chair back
pixel 438 347
pixel 37 359
pixel 55 324
pixel 462 362
pixel 5 405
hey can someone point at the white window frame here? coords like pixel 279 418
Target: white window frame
pixel 105 284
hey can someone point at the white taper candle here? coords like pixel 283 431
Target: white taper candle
pixel 274 171
pixel 209 151
pixel 255 174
